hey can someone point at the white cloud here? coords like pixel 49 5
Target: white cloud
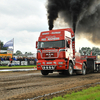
pixel 22 7
pixel 30 23
pixel 22 20
pixel 25 41
pixel 83 42
pixel 29 15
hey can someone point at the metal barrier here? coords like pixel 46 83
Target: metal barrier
pixel 17 63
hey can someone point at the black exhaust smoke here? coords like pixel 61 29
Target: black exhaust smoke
pixel 72 8
pixel 81 15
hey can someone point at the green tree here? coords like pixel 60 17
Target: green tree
pixel 85 50
pixel 28 53
pixel 18 52
pixel 1 46
pixel 95 51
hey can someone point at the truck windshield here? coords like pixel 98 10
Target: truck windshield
pixel 51 44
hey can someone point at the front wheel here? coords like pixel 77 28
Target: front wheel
pixel 70 70
pixel 44 72
pixel 83 69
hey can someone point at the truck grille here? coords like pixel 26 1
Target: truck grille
pixel 50 67
pixel 49 54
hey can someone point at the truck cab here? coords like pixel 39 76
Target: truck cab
pixel 56 51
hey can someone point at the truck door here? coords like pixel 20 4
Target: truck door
pixel 67 48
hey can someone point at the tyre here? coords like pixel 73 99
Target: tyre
pixel 98 69
pixel 83 69
pixel 44 72
pixel 70 70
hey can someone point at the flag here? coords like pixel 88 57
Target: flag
pixel 9 43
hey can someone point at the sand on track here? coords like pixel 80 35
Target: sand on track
pixel 30 84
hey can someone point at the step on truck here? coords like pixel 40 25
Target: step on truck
pixel 56 52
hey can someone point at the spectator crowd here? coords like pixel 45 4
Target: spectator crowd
pixel 18 59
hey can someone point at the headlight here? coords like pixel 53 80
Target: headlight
pixel 39 63
pixel 54 62
pixel 60 62
pixel 43 62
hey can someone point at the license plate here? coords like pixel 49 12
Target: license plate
pixel 49 63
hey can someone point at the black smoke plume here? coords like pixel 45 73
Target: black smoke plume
pixel 83 16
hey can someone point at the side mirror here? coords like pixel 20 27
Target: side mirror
pixel 36 44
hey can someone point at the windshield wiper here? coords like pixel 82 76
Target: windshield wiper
pixel 56 47
pixel 41 48
pixel 48 47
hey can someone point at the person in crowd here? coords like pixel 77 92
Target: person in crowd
pixel 25 58
pixel 0 61
pixel 2 58
pixel 10 62
pixel 35 59
pixel 17 58
pixel 14 59
pixel 7 58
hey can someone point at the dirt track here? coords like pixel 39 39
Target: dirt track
pixel 24 85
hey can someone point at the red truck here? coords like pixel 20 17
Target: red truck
pixel 56 52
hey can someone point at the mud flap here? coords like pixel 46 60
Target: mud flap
pixel 99 68
pixel 90 65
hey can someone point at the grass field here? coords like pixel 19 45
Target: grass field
pixel 92 93
pixel 30 66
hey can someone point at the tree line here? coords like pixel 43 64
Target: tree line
pixel 18 52
pixel 83 50
pixel 1 46
pixel 88 51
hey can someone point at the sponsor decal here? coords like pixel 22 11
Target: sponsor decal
pixel 50 50
pixel 55 32
pixel 53 38
pixel 50 38
pixel 45 33
pixel 43 39
pixel 31 62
